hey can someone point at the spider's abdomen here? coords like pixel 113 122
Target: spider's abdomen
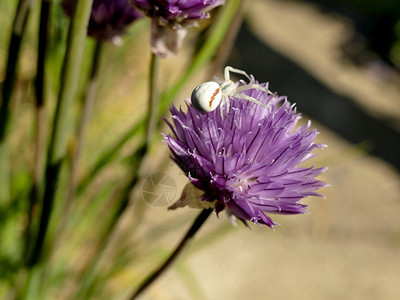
pixel 207 96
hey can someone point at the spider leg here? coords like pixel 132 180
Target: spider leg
pixel 227 103
pixel 251 99
pixel 224 106
pixel 253 86
pixel 216 79
pixel 237 71
pixel 221 109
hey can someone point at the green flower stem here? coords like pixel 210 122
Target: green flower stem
pixel 18 30
pixel 153 103
pixel 40 119
pixel 7 87
pixel 199 221
pixel 88 102
pixel 58 143
pixel 14 47
pixel 90 97
pixel 223 52
pixel 206 53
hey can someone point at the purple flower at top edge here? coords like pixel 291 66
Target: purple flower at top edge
pixel 170 18
pixel 173 12
pixel 108 19
pixel 247 161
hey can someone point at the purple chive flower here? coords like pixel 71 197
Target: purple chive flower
pixel 109 18
pixel 170 18
pixel 248 160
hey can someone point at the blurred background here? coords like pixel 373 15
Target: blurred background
pixel 339 61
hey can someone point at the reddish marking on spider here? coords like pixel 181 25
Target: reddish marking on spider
pixel 213 97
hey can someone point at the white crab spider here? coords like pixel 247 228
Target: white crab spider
pixel 207 96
